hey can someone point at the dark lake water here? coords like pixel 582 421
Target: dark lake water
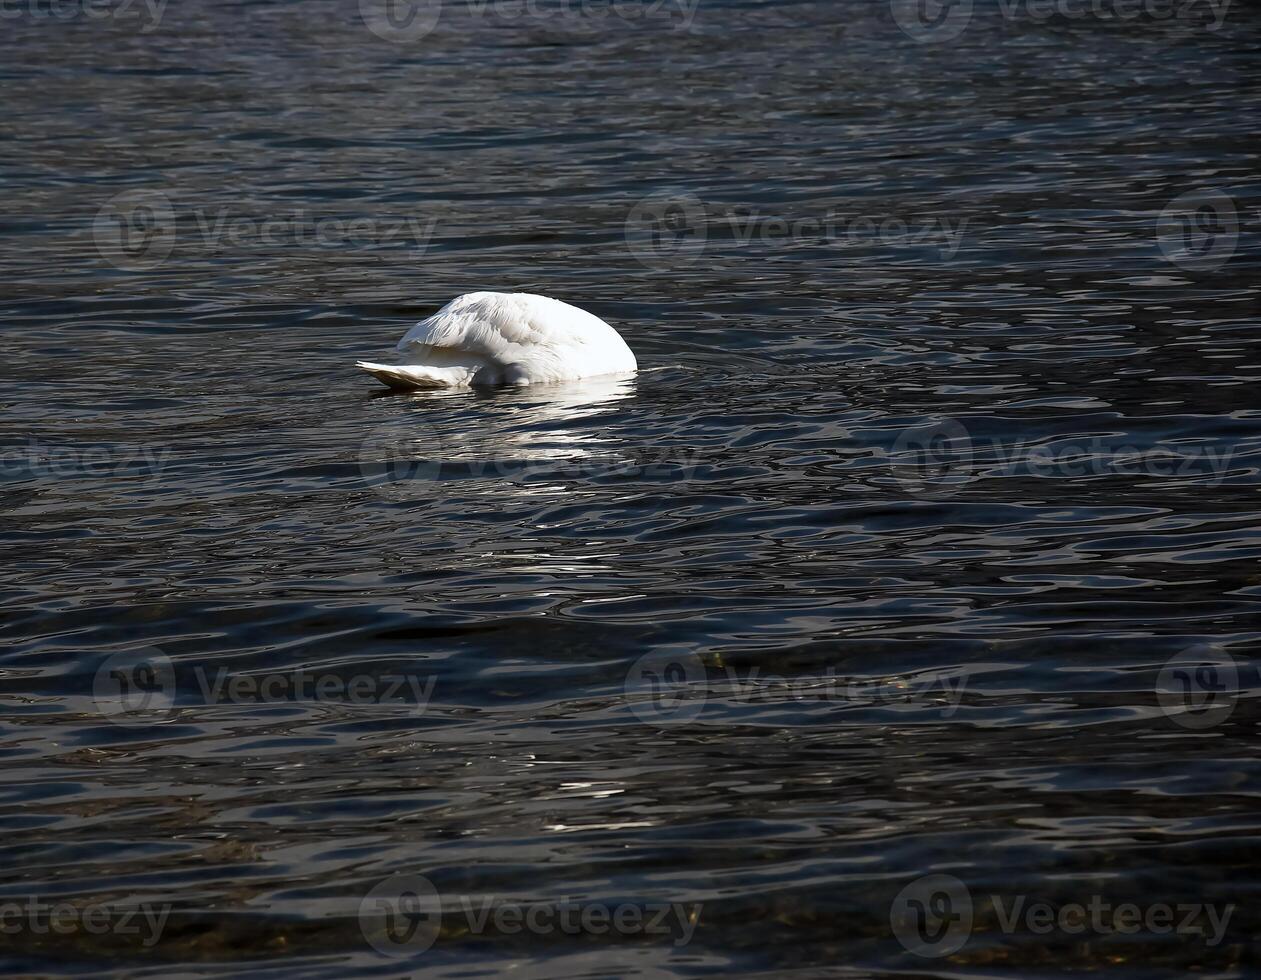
pixel 898 619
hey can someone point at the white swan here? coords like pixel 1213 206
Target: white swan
pixel 505 339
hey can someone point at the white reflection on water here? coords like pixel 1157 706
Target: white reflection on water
pixel 519 442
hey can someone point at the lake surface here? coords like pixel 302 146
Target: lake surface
pixel 906 598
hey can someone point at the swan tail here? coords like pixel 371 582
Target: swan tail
pixel 412 376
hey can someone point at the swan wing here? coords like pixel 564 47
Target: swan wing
pixel 536 332
pixel 505 338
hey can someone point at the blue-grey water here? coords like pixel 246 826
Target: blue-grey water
pixel 897 619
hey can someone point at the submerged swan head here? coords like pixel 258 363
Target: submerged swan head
pixel 518 339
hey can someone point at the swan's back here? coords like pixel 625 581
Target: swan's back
pixel 507 338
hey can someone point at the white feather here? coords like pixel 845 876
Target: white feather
pixel 505 338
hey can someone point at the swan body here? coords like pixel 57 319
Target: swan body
pixel 504 339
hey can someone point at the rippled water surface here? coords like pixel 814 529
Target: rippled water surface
pixel 925 542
